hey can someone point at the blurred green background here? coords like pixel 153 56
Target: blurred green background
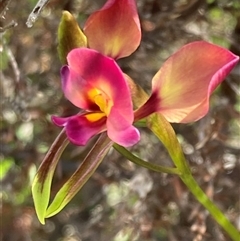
pixel 121 202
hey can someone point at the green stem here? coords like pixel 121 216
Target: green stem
pixel 164 131
pixel 143 163
pixel 193 187
pixel 210 206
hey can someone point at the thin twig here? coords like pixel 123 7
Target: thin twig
pixel 14 64
pixel 12 24
pixel 35 12
pixel 3 6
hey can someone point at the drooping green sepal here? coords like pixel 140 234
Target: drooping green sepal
pixel 81 175
pixel 41 194
pixel 70 36
pixel 41 186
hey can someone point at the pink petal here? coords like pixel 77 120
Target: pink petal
pixel 89 70
pixel 115 29
pixel 183 85
pixel 79 129
pixel 120 130
pixel 60 121
pixel 99 72
pixel 75 88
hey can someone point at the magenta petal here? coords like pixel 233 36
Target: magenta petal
pixel 99 72
pixel 120 130
pixel 75 87
pixel 60 121
pixel 186 80
pixel 79 129
pixel 89 70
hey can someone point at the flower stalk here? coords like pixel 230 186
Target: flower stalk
pixel 138 161
pixel 155 124
pixel 215 212
pixel 182 169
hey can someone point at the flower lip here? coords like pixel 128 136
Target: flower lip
pixel 105 103
pixel 80 128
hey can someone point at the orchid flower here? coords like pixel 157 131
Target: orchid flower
pixel 180 91
pixel 95 83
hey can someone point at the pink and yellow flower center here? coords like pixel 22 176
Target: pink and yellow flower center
pixel 102 101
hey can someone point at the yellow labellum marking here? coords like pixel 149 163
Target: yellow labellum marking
pixel 102 103
pixel 95 116
pixel 100 98
pixel 92 93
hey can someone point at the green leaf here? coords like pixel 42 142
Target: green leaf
pixel 41 186
pixel 70 36
pixel 81 175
